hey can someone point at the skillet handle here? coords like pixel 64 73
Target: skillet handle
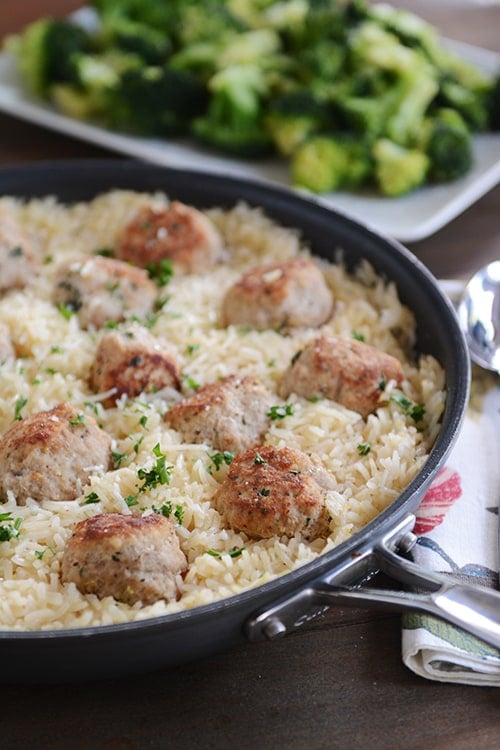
pixel 471 608
pixel 475 609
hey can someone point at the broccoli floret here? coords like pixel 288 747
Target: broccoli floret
pixel 322 20
pixel 461 84
pixel 207 21
pixel 46 52
pixel 471 103
pixel 156 100
pixel 398 170
pixel 233 122
pixel 293 116
pixel 324 163
pixel 413 85
pixel 96 77
pixel 447 142
pixel 162 16
pixel 151 45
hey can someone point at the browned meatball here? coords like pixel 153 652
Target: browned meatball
pixel 179 233
pixel 279 295
pixel 270 491
pixel 50 455
pixel 344 370
pixel 230 415
pixel 133 361
pixel 131 558
pixel 102 290
pixel 17 256
pixel 6 347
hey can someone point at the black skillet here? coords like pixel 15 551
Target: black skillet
pixel 281 605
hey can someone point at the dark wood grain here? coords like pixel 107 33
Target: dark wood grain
pixel 339 682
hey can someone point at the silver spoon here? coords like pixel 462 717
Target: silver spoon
pixel 479 315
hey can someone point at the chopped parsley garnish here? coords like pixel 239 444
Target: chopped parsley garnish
pixel 414 410
pixel 364 449
pixel 191 382
pixel 158 474
pixel 357 335
pixel 117 458
pixel 264 492
pixel 221 457
pixel 167 508
pixel 39 553
pixel 66 311
pixel 9 527
pixel 106 252
pixel 92 498
pixel 281 411
pixel 131 500
pixel 233 552
pixel 161 272
pixel 78 420
pixel 143 420
pixel 20 404
pixel 191 348
pixel 258 459
pixel 161 302
pixel 16 252
pixel 138 443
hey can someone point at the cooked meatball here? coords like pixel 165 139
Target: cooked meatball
pixel 133 361
pixel 270 491
pixel 279 295
pixel 50 455
pixel 6 347
pixel 344 370
pixel 102 290
pixel 132 558
pixel 179 233
pixel 17 256
pixel 230 415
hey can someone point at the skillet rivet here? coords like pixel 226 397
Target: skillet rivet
pixel 407 542
pixel 274 628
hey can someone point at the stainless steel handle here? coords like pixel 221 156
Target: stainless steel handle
pixel 473 608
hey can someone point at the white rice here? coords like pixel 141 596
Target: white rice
pixel 54 358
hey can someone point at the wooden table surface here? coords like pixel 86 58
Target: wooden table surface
pixel 338 682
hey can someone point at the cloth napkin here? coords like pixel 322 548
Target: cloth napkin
pixel 457 529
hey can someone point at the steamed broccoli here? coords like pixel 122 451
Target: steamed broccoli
pixel 293 116
pixel 46 52
pixel 413 83
pixel 155 100
pixel 95 78
pixel 447 142
pixel 148 43
pixel 354 93
pixel 162 16
pixel 233 121
pixel 208 21
pixel 398 170
pixel 461 84
pixel 324 163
